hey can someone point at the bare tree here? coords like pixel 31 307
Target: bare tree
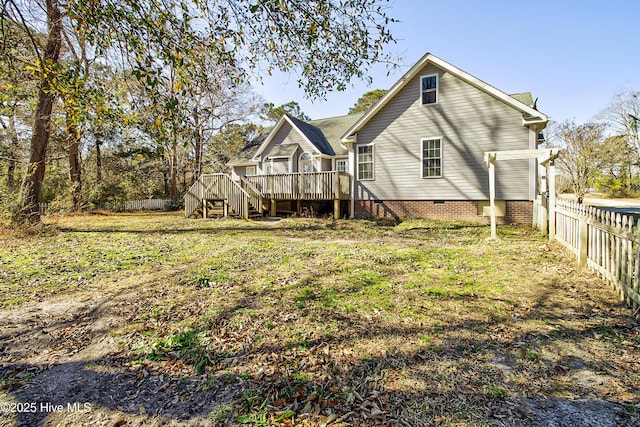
pixel 622 115
pixel 583 155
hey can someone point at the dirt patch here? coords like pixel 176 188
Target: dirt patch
pixel 555 412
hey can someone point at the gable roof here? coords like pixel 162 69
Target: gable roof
pixel 323 134
pixel 524 97
pixel 530 115
pixel 334 127
pixel 313 135
pixel 295 124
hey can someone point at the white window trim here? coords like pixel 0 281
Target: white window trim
pixel 437 88
pixel 346 164
pixel 267 163
pixel 255 170
pixel 373 163
pixel 310 160
pixel 441 139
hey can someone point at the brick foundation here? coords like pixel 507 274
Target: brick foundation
pixel 517 211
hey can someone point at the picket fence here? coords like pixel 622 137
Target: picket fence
pixel 607 242
pixel 146 205
pixel 125 205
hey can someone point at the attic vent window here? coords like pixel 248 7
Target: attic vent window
pixel 429 89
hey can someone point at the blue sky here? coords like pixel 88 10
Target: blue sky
pixel 572 55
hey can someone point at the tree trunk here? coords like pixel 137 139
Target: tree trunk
pixel 73 138
pixel 165 176
pixel 174 172
pixel 98 162
pixel 198 158
pixel 197 142
pixel 32 184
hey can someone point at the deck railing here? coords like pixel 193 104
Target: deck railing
pixel 252 190
pixel 303 186
pixel 217 186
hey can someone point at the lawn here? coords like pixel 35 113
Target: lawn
pixel 151 319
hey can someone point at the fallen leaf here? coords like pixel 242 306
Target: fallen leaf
pixel 331 418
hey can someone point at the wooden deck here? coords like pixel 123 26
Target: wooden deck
pixel 254 194
pixel 303 186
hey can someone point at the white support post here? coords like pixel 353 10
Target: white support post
pixel 546 158
pixel 551 183
pixel 491 159
pixel 352 181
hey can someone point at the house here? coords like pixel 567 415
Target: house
pixel 418 152
pixel 293 145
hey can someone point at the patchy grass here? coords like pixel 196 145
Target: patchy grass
pixel 304 322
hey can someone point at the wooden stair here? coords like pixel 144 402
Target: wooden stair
pixel 242 199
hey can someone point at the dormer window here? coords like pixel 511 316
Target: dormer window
pixel 429 89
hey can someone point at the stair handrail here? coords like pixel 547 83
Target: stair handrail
pixel 232 192
pixel 256 195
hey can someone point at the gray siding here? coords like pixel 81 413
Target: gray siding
pixel 468 120
pixel 280 166
pixel 288 135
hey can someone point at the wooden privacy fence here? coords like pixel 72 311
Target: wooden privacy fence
pixel 607 242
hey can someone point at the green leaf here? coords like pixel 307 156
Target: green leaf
pixel 246 419
pixel 285 415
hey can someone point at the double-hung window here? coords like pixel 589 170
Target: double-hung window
pixel 365 162
pixel 432 158
pixel 429 89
